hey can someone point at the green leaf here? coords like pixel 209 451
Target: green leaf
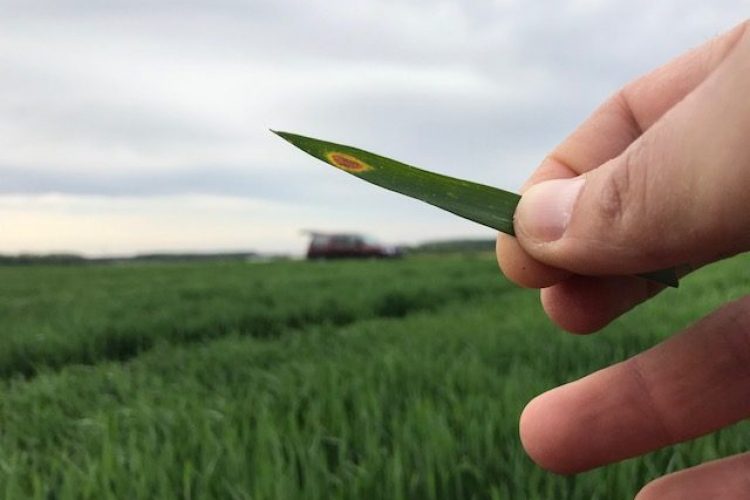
pixel 485 205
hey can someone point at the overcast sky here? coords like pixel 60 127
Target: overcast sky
pixel 142 125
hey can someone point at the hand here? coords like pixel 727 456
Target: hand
pixel 657 177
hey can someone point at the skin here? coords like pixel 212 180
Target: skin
pixel 657 177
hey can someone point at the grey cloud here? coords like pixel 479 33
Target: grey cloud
pixel 582 53
pixel 212 180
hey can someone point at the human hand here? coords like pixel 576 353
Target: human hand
pixel 657 177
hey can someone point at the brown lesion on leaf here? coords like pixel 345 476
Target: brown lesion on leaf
pixel 347 162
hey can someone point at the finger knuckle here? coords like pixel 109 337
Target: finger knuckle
pixel 621 196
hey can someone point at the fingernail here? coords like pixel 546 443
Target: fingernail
pixel 545 209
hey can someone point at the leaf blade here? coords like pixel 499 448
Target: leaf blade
pixel 485 205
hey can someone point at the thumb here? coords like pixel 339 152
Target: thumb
pixel 679 194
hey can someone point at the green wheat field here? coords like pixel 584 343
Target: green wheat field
pixel 373 379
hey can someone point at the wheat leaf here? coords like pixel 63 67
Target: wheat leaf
pixel 485 205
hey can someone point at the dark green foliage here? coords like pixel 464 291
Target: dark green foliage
pixel 455 246
pixel 400 379
pixel 59 316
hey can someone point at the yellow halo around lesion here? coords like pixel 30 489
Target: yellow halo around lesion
pixel 347 162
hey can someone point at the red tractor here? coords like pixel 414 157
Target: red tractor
pixel 347 245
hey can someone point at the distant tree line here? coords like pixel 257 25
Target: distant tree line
pixel 455 246
pixel 31 259
pixel 65 259
pixel 161 257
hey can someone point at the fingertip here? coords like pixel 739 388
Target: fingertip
pixel 586 304
pixel 523 270
pixel 566 307
pixel 530 430
pixel 515 263
pixel 655 490
pixel 545 428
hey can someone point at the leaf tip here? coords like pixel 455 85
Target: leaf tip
pixel 281 134
pixel 293 139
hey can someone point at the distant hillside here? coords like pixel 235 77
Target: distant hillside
pixel 455 246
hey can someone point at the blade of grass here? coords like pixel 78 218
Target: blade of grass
pixel 482 204
pixel 485 205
